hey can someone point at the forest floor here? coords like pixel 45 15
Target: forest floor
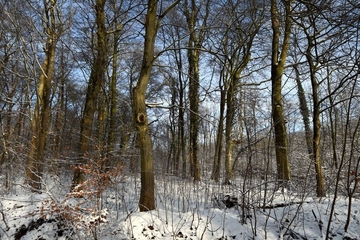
pixel 185 210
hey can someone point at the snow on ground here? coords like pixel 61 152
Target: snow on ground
pixel 185 210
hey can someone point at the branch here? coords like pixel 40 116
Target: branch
pixel 161 16
pixel 169 9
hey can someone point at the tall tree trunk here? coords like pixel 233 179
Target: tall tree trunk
pixel 230 112
pixel 333 118
pixel 182 140
pixel 96 78
pixel 277 68
pixel 152 24
pixel 7 135
pixel 193 58
pixel 304 110
pixel 174 151
pixel 58 122
pixel 100 124
pixel 320 183
pixel 113 89
pixel 215 175
pixel 193 52
pixel 40 120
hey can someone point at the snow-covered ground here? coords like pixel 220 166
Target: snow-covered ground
pixel 185 210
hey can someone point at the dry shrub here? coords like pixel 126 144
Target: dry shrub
pixel 80 209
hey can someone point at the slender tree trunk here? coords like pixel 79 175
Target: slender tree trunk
pixel 320 183
pixel 100 124
pixel 182 140
pixel 96 78
pixel 7 135
pixel 58 123
pixel 193 52
pixel 152 24
pixel 40 120
pixel 219 138
pixel 277 69
pixel 304 110
pixel 230 112
pixel 194 111
pixel 147 198
pixel 333 118
pixel 111 137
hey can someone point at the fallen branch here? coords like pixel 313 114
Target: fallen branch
pixel 279 205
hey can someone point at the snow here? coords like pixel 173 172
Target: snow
pixel 185 210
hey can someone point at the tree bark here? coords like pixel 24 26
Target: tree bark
pixel 320 183
pixel 193 52
pixel 304 110
pixel 277 69
pixel 215 175
pixel 96 78
pixel 152 24
pixel 113 105
pixel 40 120
pixel 229 119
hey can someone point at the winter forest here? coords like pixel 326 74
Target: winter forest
pixel 179 119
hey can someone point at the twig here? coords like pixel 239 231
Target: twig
pixel 319 222
pixel 3 218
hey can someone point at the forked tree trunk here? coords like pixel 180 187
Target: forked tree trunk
pixel 40 120
pixel 152 24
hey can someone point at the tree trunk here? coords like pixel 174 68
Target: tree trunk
pixel 113 98
pixel 59 119
pixel 304 110
pixel 182 140
pixel 320 183
pixel 193 57
pixel 96 78
pixel 219 137
pixel 7 135
pixel 277 69
pixel 193 52
pixel 178 91
pixel 230 112
pixel 181 119
pixel 40 120
pixel 152 24
pixel 147 198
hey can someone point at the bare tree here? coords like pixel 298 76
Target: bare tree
pixel 152 24
pixel 192 11
pixel 40 119
pixel 96 80
pixel 278 59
